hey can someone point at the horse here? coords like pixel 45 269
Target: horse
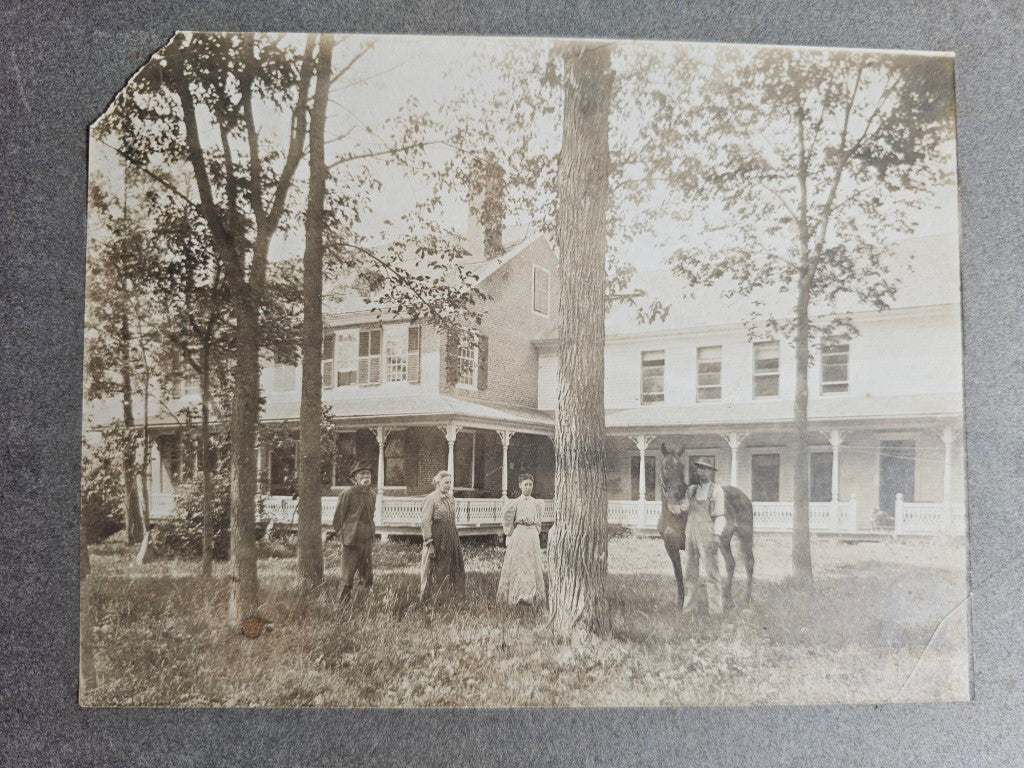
pixel 739 522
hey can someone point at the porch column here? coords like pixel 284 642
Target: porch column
pixel 451 431
pixel 381 434
pixel 642 442
pixel 154 471
pixel 947 476
pixel 735 440
pixel 835 439
pixel 506 438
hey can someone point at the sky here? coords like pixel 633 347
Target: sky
pixel 434 71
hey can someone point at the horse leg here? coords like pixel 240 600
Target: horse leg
pixel 677 568
pixel 747 548
pixel 730 568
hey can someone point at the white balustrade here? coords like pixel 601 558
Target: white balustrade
pixel 928 517
pixel 912 518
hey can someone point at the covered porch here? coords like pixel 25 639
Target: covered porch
pixel 867 477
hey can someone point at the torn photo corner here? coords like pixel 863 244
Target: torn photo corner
pixel 470 372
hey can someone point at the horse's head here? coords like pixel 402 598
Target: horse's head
pixel 673 473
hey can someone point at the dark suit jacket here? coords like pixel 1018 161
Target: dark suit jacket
pixel 353 517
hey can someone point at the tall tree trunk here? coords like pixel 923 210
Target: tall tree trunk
pixel 134 525
pixel 244 598
pixel 310 544
pixel 579 549
pixel 801 468
pixel 206 567
pixel 147 449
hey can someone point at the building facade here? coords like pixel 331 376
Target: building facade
pixel 885 405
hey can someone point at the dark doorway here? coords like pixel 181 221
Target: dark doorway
pixel 821 476
pixel 764 477
pixel 895 473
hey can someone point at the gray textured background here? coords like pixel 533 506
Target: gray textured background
pixel 60 67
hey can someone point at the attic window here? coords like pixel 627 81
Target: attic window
pixel 541 290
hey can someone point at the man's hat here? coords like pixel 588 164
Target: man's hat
pixel 360 466
pixel 709 464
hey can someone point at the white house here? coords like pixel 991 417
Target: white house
pixel 885 405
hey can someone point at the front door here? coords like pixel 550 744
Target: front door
pixel 895 473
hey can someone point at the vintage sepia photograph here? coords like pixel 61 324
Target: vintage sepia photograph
pixel 499 372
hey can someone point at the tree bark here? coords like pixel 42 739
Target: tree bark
pixel 247 287
pixel 579 545
pixel 243 600
pixel 801 468
pixel 310 543
pixel 134 524
pixel 206 567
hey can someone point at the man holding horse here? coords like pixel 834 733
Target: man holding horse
pixel 705 504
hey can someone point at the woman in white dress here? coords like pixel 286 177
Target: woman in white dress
pixel 522 573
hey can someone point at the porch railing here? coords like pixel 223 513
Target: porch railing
pixel 928 517
pixel 912 518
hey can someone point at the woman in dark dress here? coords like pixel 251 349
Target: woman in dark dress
pixel 441 565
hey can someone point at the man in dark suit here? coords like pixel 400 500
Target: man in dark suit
pixel 353 523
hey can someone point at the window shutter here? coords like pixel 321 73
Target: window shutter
pixel 481 372
pixel 375 356
pixel 413 360
pixel 452 359
pixel 363 375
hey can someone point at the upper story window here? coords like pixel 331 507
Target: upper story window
pixel 835 364
pixel 183 381
pixel 283 378
pixel 652 373
pixel 375 355
pixel 541 290
pixel 766 369
pixel 469 363
pixel 709 373
pixel 346 357
pixel 466 361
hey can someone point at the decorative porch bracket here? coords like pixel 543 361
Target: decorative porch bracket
pixel 380 434
pixel 734 441
pixel 451 431
pixel 506 437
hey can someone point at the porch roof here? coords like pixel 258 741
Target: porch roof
pixel 778 414
pixel 425 410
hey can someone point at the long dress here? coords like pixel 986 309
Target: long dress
pixel 522 573
pixel 445 569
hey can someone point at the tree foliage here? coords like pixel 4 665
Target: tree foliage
pixel 804 168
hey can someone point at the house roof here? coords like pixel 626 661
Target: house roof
pixel 762 413
pixel 927 268
pixel 425 409
pixel 353 302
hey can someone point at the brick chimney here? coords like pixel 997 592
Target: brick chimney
pixel 486 208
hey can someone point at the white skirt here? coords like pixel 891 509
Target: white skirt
pixel 522 573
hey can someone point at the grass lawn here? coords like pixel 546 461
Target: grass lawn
pixel 860 636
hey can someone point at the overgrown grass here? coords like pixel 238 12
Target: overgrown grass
pixel 161 637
